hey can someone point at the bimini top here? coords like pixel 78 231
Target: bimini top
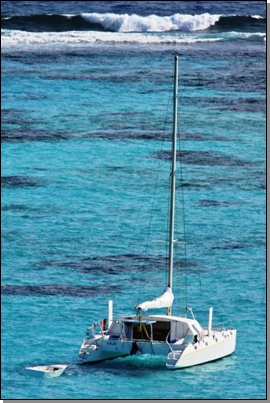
pixel 144 322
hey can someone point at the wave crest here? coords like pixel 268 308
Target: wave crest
pixel 151 23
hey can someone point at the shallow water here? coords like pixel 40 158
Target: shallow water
pixel 86 123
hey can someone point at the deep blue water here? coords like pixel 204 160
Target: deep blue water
pixel 86 123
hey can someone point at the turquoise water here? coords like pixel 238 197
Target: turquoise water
pixel 86 123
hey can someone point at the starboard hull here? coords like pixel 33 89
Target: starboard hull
pixel 209 349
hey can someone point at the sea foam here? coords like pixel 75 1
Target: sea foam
pixel 152 23
pixel 38 41
pixel 19 40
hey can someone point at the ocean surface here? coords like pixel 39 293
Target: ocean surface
pixel 86 129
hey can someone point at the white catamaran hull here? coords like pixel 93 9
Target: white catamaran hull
pixel 209 349
pixel 103 349
pixel 179 353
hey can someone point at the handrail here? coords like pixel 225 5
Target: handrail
pixel 166 340
pixel 222 323
pixel 101 330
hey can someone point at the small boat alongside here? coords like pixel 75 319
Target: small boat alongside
pixel 46 371
pixel 182 340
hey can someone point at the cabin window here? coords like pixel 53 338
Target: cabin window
pixel 142 331
pixel 161 330
pixel 128 330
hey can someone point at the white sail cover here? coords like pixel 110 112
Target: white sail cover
pixel 164 301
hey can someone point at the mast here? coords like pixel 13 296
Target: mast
pixel 173 173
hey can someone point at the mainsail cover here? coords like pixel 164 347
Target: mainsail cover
pixel 164 301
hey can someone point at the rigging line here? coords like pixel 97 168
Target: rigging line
pixel 177 231
pixel 131 242
pixel 181 183
pixel 184 229
pixel 167 232
pixel 170 103
pixel 192 224
pixel 183 212
pixel 180 266
pixel 184 167
pixel 153 209
pixel 184 259
pixel 145 196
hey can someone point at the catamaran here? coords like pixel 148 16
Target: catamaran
pixel 182 340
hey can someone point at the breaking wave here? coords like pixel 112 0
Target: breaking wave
pixel 58 31
pixel 152 23
pixel 133 23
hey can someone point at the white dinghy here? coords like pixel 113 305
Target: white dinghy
pixel 46 371
pixel 182 340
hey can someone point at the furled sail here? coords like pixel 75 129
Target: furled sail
pixel 165 300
